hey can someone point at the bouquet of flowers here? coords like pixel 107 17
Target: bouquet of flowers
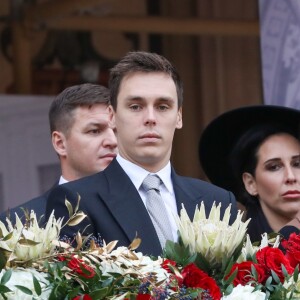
pixel 212 260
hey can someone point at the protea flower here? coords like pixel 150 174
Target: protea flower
pixel 214 238
pixel 249 250
pixel 30 241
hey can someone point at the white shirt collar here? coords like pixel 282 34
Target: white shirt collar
pixel 137 174
pixel 62 180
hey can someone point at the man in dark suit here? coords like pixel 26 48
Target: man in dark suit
pixel 82 136
pixel 146 95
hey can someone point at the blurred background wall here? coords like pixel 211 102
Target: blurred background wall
pixel 47 45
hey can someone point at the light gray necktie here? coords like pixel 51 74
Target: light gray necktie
pixel 157 209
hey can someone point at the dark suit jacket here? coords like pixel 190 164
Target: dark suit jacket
pixel 259 224
pixel 37 204
pixel 116 211
pixel 286 231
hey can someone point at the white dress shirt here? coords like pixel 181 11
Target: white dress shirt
pixel 137 176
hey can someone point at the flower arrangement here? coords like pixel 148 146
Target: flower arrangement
pixel 212 260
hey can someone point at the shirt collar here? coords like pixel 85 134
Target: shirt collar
pixel 62 180
pixel 137 174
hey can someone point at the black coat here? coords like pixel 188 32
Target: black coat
pixel 116 211
pixel 259 224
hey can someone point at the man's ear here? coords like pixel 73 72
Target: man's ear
pixel 113 119
pixel 179 123
pixel 111 113
pixel 59 143
pixel 250 184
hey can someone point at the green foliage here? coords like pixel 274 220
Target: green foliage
pixel 179 253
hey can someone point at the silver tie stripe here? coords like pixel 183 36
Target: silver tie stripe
pixel 157 209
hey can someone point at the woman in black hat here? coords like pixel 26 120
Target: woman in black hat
pixel 255 152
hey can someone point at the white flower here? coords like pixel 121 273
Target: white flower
pixel 249 250
pixel 30 241
pixel 294 287
pixel 214 238
pixel 241 292
pixel 23 277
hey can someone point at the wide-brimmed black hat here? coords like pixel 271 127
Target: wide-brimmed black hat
pixel 222 134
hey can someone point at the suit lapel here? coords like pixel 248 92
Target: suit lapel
pixel 128 209
pixel 184 195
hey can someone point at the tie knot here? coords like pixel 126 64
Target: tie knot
pixel 151 182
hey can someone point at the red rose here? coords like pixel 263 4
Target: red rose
pixel 273 259
pixel 83 297
pixel 143 297
pixel 192 275
pixel 292 247
pixel 61 258
pixel 81 268
pixel 166 263
pixel 244 273
pixel 195 278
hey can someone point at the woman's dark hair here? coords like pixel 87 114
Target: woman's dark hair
pixel 243 157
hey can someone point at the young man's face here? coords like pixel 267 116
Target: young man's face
pixel 91 144
pixel 146 117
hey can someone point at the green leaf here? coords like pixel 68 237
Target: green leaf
pixel 228 290
pixel 27 242
pixel 99 294
pixel 69 207
pixel 275 276
pixel 4 289
pixel 179 253
pixel 228 268
pixel 237 252
pixel 3 259
pixel 24 289
pixel 8 236
pixel 284 271
pixel 231 277
pixel 6 276
pixel 76 219
pixel 296 273
pixel 202 263
pixel 227 265
pixel 37 286
pixel 107 282
pixel 268 281
pixel 77 204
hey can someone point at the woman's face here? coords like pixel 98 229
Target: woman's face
pixel 277 176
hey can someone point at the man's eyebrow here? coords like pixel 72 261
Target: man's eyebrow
pixel 166 99
pixel 97 124
pixel 134 98
pixel 140 98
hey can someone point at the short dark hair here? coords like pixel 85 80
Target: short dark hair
pixel 146 62
pixel 244 155
pixel 62 108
